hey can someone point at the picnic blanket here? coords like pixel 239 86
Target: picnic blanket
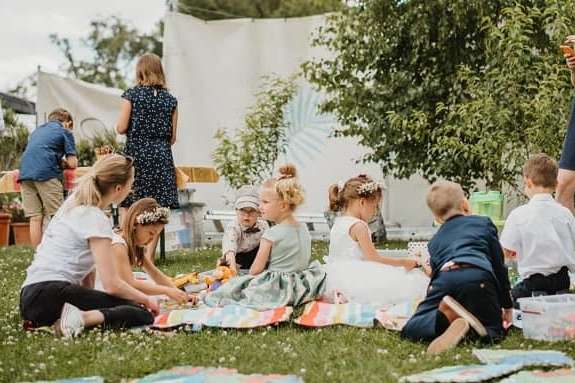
pixel 232 316
pixel 499 363
pixel 322 314
pixel 469 373
pixel 89 379
pixel 396 316
pixel 565 375
pixel 531 358
pixel 189 374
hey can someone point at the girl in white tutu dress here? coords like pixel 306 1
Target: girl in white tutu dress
pixel 355 270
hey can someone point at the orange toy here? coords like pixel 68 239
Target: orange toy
pixel 222 274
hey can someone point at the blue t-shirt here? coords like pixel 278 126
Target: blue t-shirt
pixel 47 145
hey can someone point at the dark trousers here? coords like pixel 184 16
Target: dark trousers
pixel 567 160
pixel 245 259
pixel 41 304
pixel 474 288
pixel 541 284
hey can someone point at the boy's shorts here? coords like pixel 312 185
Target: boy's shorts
pixel 42 198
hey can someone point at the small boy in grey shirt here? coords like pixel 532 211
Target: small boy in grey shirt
pixel 242 236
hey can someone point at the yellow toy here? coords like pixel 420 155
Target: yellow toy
pixel 221 275
pixel 185 279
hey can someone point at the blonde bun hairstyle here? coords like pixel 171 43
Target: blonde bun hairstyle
pixel 287 186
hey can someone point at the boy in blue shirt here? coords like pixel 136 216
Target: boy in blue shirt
pixel 469 282
pixel 50 148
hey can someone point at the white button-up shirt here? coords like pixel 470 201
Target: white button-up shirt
pixel 542 234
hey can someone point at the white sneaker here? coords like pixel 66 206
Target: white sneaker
pixel 70 323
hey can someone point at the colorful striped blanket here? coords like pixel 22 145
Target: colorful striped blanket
pixel 231 316
pixel 213 375
pixel 396 316
pixel 321 314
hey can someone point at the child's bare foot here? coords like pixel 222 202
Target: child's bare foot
pixel 450 338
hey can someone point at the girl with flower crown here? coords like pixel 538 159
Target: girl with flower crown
pixel 142 224
pixel 281 273
pixel 355 270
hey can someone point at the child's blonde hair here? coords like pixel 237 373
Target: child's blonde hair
pixel 444 198
pixel 287 186
pixel 362 186
pixel 144 212
pixel 149 71
pixel 108 172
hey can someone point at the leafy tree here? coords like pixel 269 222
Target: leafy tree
pixel 515 105
pixel 13 140
pixel 113 45
pixel 225 9
pixel 249 156
pixel 434 86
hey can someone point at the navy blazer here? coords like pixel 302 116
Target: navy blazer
pixel 473 240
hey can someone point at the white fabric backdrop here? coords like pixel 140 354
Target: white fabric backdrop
pixel 94 108
pixel 214 68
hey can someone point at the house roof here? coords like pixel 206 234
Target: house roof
pixel 19 105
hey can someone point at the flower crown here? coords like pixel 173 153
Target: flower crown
pixel 153 216
pixel 368 188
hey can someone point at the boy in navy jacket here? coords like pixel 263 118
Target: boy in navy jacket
pixel 469 283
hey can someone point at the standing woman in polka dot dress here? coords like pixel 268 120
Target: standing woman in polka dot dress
pixel 148 116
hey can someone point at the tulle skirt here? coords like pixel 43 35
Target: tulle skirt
pixel 368 282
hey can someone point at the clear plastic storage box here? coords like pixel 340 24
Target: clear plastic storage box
pixel 550 317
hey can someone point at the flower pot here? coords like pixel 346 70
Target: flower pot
pixel 21 233
pixel 5 219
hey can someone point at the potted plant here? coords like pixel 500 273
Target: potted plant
pixel 5 219
pixel 103 151
pixel 20 224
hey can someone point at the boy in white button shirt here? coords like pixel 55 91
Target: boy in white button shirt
pixel 541 234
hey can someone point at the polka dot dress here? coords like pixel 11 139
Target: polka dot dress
pixel 149 135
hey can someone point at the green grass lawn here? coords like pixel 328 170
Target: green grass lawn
pixel 341 354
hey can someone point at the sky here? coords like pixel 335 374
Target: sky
pixel 26 25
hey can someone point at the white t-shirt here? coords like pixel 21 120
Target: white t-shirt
pixel 64 254
pixel 542 233
pixel 117 239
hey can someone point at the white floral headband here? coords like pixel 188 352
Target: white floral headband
pixel 368 188
pixel 156 215
pixel 363 190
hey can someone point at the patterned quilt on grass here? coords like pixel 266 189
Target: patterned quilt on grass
pixel 565 375
pixel 322 314
pixel 231 316
pixel 525 358
pixel 213 375
pixel 396 316
pixel 470 373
